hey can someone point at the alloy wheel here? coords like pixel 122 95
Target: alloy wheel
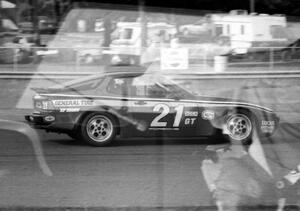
pixel 99 128
pixel 239 127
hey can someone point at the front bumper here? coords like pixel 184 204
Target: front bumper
pixel 53 121
pixel 40 120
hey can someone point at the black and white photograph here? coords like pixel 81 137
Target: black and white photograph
pixel 147 105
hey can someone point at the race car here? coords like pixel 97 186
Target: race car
pixel 100 107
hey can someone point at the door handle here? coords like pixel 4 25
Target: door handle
pixel 141 102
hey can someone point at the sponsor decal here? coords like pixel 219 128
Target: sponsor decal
pixel 268 123
pixel 69 109
pixel 191 113
pixel 49 118
pixel 267 126
pixel 208 115
pixel 72 103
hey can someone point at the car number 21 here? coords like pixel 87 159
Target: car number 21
pixel 164 111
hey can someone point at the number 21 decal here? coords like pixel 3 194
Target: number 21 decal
pixel 165 110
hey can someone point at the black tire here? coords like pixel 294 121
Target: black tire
pixel 98 129
pixel 240 126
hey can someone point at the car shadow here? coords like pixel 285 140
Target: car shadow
pixel 157 141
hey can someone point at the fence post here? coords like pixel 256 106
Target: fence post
pixel 15 58
pixel 77 62
pixel 271 66
pixel 205 58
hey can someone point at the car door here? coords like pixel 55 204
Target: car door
pixel 149 108
pixel 162 114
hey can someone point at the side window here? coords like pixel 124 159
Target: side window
pixel 242 29
pixel 219 29
pixel 150 91
pixel 228 29
pixel 117 86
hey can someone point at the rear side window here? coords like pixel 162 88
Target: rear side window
pixel 88 87
pixel 219 29
pixel 117 86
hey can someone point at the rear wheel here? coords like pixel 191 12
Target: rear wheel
pixel 98 129
pixel 239 127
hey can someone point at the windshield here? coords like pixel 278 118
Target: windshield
pixel 150 105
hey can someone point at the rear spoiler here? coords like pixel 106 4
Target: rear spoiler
pixel 39 90
pixel 46 90
pixel 51 90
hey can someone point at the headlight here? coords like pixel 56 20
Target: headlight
pixel 38 105
pixel 47 105
pixel 42 103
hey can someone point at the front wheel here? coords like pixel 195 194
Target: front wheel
pixel 239 127
pixel 98 129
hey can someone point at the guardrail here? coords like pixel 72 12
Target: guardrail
pixel 199 53
pixel 179 75
pixel 70 63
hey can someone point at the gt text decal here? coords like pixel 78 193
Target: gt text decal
pixel 72 103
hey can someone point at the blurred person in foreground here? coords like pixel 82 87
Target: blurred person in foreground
pixel 253 175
